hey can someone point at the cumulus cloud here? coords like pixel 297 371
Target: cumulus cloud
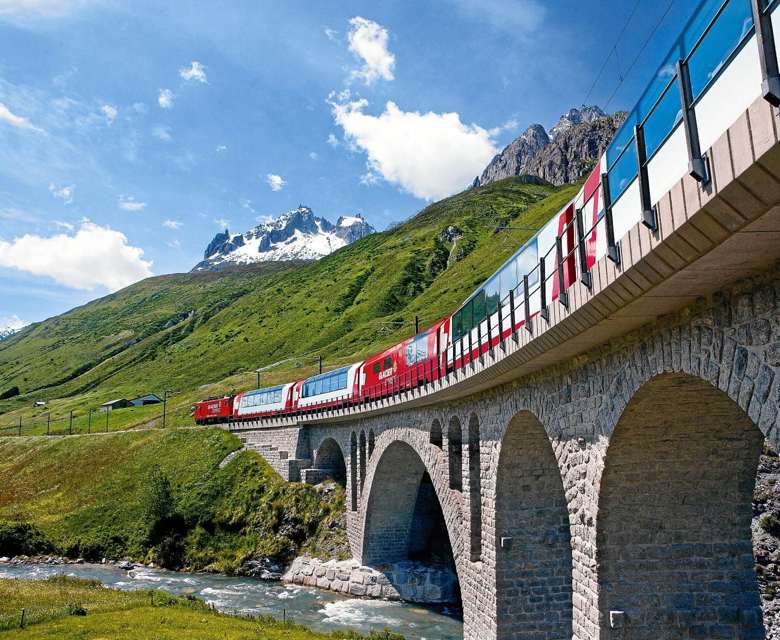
pixel 93 257
pixel 196 71
pixel 368 41
pixel 275 182
pixel 64 193
pixel 129 203
pixel 110 112
pixel 11 323
pixel 174 225
pixel 430 155
pixel 332 140
pixel 162 132
pixel 7 116
pixel 165 99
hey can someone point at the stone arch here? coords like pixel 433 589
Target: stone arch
pixel 673 531
pixel 455 453
pixel 362 459
pixel 329 461
pixel 404 520
pixel 437 437
pixel 475 490
pixel 353 472
pixel 371 443
pixel 533 540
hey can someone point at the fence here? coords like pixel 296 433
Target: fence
pixel 81 422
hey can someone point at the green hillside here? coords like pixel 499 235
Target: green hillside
pixel 183 331
pixel 158 496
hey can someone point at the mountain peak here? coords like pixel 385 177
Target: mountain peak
pixel 294 235
pixel 560 156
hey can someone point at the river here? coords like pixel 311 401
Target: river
pixel 316 609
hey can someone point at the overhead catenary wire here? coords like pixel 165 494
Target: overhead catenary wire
pixel 650 36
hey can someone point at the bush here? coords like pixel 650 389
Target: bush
pixel 9 393
pixel 23 538
pixel 770 523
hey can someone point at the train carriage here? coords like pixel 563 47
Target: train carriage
pixel 214 410
pixel 325 390
pixel 262 402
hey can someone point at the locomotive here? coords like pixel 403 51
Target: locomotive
pixel 529 281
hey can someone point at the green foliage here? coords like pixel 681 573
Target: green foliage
pixel 771 524
pixel 9 393
pixel 157 496
pixel 185 330
pixel 22 538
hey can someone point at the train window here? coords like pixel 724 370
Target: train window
pixel 508 279
pixel 468 317
pixel 527 261
pixel 457 326
pixel 377 367
pixel 479 307
pixel 388 363
pixel 492 293
pixel 343 380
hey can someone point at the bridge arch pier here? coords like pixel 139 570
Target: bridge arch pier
pixel 674 541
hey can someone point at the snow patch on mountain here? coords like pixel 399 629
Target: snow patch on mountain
pixel 9 325
pixel 295 235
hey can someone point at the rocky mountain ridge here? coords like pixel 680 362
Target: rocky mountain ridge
pixel 559 156
pixel 295 235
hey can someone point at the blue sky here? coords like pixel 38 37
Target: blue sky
pixel 131 132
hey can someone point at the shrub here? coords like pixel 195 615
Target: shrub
pixel 9 393
pixel 22 538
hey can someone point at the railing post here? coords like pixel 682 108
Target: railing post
pixel 471 346
pixel 528 324
pixel 585 276
pixel 544 312
pixel 500 319
pixel 563 296
pixel 648 212
pixel 697 166
pixel 489 328
pixel 613 250
pixel 512 310
pixel 767 53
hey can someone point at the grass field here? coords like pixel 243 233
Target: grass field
pixel 204 334
pixel 70 608
pixel 156 496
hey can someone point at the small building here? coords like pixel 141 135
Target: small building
pixel 40 403
pixel 149 398
pixel 119 403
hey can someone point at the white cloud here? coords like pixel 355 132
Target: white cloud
pixel 196 71
pixel 332 140
pixel 94 257
pixel 108 110
pixel 223 223
pixel 510 125
pixel 275 182
pixel 162 132
pixel 174 244
pixel 7 116
pixel 430 155
pixel 331 34
pixel 221 148
pixel 369 178
pixel 31 9
pixel 140 107
pixel 11 323
pixel 313 155
pixel 368 41
pixel 129 203
pixel 520 17
pixel 174 225
pixel 60 224
pixel 64 193
pixel 165 99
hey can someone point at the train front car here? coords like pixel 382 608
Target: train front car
pixel 263 402
pixel 406 365
pixel 335 388
pixel 540 271
pixel 214 411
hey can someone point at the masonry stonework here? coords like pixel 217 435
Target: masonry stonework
pixel 614 491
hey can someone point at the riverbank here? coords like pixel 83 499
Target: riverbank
pixel 321 611
pixel 76 608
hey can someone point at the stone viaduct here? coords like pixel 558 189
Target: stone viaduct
pixel 593 477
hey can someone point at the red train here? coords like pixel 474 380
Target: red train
pixel 526 283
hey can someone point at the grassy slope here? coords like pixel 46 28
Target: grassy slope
pixel 92 497
pixel 138 615
pixel 183 331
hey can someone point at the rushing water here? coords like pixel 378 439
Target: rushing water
pixel 316 609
